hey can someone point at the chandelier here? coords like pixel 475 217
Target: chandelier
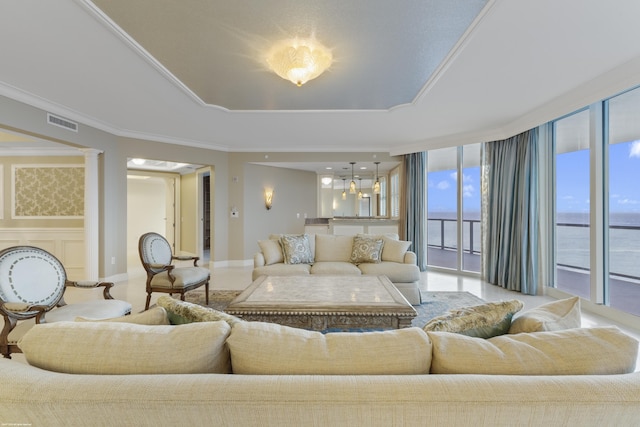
pixel 352 184
pixel 376 185
pixel 299 60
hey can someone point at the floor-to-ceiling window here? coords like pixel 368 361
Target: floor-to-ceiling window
pixel 571 135
pixel 442 208
pixel 623 290
pixel 597 233
pixel 453 208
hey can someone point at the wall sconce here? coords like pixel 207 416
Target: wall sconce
pixel 268 198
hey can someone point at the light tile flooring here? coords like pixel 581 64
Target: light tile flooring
pixel 238 278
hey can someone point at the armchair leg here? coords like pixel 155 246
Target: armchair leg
pixel 146 307
pixel 206 289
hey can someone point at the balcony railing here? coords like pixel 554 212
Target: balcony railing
pixel 572 257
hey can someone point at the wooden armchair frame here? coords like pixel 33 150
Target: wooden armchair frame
pixel 157 257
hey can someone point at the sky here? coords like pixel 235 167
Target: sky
pixel 442 190
pixel 572 177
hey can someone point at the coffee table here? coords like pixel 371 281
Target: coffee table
pixel 325 303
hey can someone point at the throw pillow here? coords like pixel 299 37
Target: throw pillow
pixel 581 351
pixel 271 250
pixel 110 348
pixel 181 312
pixel 296 249
pixel 366 249
pixel 394 249
pixel 153 316
pixel 553 316
pixel 482 321
pixel 261 348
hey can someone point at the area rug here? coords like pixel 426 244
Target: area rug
pixel 434 303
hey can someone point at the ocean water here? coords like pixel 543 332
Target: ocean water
pixel 573 248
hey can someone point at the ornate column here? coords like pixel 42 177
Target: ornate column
pixel 91 214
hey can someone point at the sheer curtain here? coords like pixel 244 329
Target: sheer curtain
pixel 511 213
pixel 413 205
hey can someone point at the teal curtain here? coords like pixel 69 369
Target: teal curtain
pixel 413 206
pixel 511 213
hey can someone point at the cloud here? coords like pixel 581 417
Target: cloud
pixel 442 185
pixel 465 178
pixel 467 190
pixel 628 202
pixel 635 149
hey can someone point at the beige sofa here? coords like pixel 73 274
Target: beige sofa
pixel 339 255
pixel 260 374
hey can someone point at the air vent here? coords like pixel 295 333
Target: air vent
pixel 62 123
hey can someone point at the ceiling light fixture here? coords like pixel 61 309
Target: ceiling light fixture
pixel 376 185
pixel 360 192
pixel 344 189
pixel 352 184
pixel 299 60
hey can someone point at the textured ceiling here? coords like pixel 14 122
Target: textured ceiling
pixel 410 75
pixel 384 51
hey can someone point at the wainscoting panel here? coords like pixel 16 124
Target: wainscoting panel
pixel 67 244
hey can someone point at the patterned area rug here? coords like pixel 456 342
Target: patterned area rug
pixel 434 303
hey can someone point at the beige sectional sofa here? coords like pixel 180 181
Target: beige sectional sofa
pixel 231 372
pixel 342 255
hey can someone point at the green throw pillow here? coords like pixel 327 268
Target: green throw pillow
pixel 181 312
pixel 482 321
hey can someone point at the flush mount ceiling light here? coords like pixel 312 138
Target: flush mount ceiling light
pixel 299 60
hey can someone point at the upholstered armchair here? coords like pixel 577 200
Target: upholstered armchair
pixel 162 276
pixel 32 286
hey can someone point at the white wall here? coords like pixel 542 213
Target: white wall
pixel 146 203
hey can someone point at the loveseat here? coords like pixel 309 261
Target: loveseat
pixel 230 372
pixel 293 255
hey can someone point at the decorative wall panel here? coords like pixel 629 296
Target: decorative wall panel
pixel 47 191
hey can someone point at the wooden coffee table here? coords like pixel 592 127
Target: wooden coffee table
pixel 325 303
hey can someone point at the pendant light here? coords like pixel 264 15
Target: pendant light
pixel 360 191
pixel 352 184
pixel 344 189
pixel 376 185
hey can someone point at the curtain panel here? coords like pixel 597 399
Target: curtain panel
pixel 511 213
pixel 413 205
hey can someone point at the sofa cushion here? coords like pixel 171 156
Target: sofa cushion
pixel 333 247
pixel 366 250
pixel 335 268
pixel 394 250
pixel 296 249
pixel 271 250
pixel 483 321
pixel 125 348
pixel 588 351
pixel 553 316
pixel 281 270
pixel 271 349
pixel 153 316
pixel 397 273
pixel 181 312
